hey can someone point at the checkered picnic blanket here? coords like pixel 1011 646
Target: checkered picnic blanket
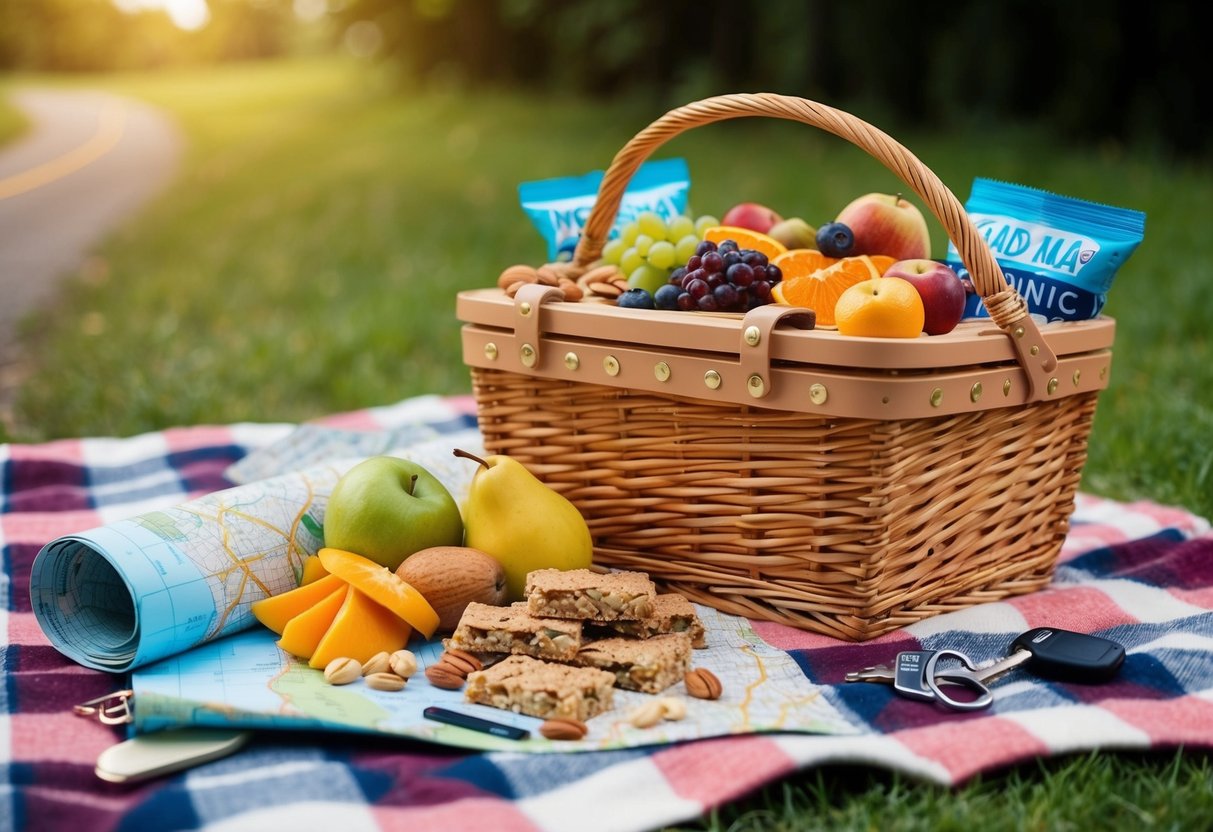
pixel 1139 573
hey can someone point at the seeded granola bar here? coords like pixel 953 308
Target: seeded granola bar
pixel 484 628
pixel 534 687
pixel 672 613
pixel 648 665
pixel 588 595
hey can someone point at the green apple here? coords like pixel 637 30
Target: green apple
pixel 386 508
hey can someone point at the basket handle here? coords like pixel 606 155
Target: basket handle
pixel 1006 307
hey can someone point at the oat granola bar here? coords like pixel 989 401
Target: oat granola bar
pixel 588 595
pixel 648 665
pixel 534 687
pixel 672 613
pixel 484 628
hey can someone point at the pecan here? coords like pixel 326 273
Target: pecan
pixel 384 681
pixel 562 728
pixel 342 671
pixel 702 684
pixel 442 676
pixel 377 663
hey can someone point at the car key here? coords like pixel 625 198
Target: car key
pixel 1067 656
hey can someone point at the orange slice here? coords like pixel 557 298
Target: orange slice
pixel 745 238
pixel 881 262
pixel 313 570
pixel 275 611
pixel 383 586
pixel 360 629
pixel 821 289
pixel 801 261
pixel 303 632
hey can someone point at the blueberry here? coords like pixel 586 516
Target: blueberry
pixel 834 239
pixel 636 299
pixel 667 296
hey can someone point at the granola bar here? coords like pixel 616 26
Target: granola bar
pixel 484 628
pixel 649 665
pixel 588 595
pixel 672 613
pixel 534 687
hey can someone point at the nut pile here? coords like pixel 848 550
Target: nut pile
pixel 383 671
pixel 451 671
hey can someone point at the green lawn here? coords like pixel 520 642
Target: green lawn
pixel 307 261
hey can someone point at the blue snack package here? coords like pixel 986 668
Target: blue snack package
pixel 559 207
pixel 1059 252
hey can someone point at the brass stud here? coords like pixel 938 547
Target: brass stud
pixel 1006 387
pixel 753 336
pixel 936 397
pixel 818 394
pixel 975 392
pixel 490 351
pixel 611 365
pixel 662 371
pixel 1034 349
pixel 884 399
pixel 756 386
pixel 571 360
pixel 1018 332
pixel 527 354
pixel 1077 375
pixel 1051 386
pixel 712 379
pixel 524 308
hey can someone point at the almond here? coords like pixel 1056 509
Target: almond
pixel 561 728
pixel 384 681
pixel 702 684
pixel 377 663
pixel 342 671
pixel 516 274
pixel 451 577
pixel 441 676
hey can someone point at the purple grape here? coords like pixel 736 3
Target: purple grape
pixel 730 259
pixel 667 296
pixel 677 275
pixel 727 245
pixel 697 274
pixel 704 247
pixel 715 280
pixel 695 262
pixel 707 303
pixel 725 295
pixel 713 262
pixel 774 274
pixel 740 274
pixel 754 258
pixel 696 288
pixel 761 290
pixel 685 302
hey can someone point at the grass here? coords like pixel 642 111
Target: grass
pixel 307 260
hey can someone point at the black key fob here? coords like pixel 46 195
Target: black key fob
pixel 1070 657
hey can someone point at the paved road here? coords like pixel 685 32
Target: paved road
pixel 89 162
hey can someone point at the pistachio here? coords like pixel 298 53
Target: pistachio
pixel 647 715
pixel 342 671
pixel 403 663
pixel 377 663
pixel 702 684
pixel 442 676
pixel 563 728
pixel 384 681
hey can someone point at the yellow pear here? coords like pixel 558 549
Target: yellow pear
pixel 522 523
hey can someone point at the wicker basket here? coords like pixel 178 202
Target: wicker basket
pixel 848 486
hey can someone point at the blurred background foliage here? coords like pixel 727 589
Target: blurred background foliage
pixel 1107 74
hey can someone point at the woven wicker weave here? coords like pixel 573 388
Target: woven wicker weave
pixel 850 527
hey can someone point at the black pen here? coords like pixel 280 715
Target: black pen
pixel 475 723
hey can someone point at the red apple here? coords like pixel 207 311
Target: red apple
pixel 941 290
pixel 751 215
pixel 887 224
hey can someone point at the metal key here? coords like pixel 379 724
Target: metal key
pixel 909 678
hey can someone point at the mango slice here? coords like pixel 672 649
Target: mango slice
pixel 361 629
pixel 275 611
pixel 303 632
pixel 383 586
pixel 313 570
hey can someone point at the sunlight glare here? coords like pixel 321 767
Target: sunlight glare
pixel 185 14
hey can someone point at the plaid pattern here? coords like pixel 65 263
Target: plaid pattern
pixel 1139 573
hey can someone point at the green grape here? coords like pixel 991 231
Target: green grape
pixel 679 227
pixel 662 255
pixel 686 247
pixel 648 278
pixel 613 250
pixel 704 223
pixel 631 260
pixel 652 224
pixel 642 244
pixel 629 233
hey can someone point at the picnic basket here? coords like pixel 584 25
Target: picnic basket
pixel 847 486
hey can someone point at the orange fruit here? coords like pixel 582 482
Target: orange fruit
pixel 820 290
pixel 881 262
pixel 800 261
pixel 382 586
pixel 883 307
pixel 745 238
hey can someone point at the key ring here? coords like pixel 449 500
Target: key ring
pixel 963 675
